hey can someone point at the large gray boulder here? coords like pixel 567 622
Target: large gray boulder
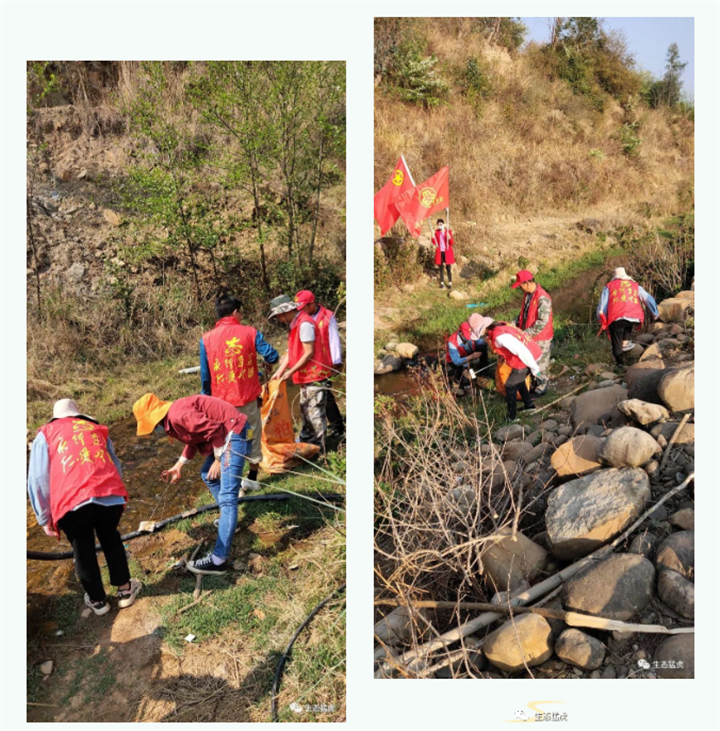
pixel 617 588
pixel 509 562
pixel 586 513
pixel 675 657
pixel 525 640
pixel 588 407
pixel 677 592
pixel 686 435
pixel 628 447
pixel 643 380
pixel 516 450
pixel 677 389
pixel 583 651
pixel 577 457
pixel 643 412
pixel 677 553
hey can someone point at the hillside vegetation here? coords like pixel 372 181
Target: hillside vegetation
pixel 534 137
pixel 152 186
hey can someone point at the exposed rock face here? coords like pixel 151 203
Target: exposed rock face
pixel 507 563
pixel 643 412
pixel 584 514
pixel 577 457
pixel 677 389
pixel 676 657
pixel 581 650
pixel 407 350
pixel 628 447
pixel 677 309
pixel 526 639
pixel 643 380
pixel 617 588
pixel 588 407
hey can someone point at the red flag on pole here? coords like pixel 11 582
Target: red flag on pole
pixel 400 181
pixel 425 199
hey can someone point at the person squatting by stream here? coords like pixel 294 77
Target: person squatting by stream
pixel 621 309
pixel 520 352
pixel 229 370
pixel 75 486
pixel 536 320
pixel 309 362
pixel 464 349
pixel 218 431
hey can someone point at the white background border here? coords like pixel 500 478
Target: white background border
pixel 343 31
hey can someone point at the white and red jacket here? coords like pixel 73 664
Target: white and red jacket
pixel 232 359
pixel 516 348
pixel 80 466
pixel 319 367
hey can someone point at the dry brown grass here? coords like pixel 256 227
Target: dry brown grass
pixel 532 146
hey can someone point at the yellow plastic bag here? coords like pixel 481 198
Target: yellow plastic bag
pixel 279 448
pixel 502 373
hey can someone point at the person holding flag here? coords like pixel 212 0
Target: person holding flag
pixel 444 255
pixel 424 200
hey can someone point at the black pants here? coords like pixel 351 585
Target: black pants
pixel 332 412
pixel 447 266
pixel 619 330
pixel 80 527
pixel 515 385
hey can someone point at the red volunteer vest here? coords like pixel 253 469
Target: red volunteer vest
pixel 322 335
pixel 624 300
pixel 510 358
pixel 315 369
pixel 80 466
pixel 230 350
pixel 449 253
pixel 453 339
pixel 547 332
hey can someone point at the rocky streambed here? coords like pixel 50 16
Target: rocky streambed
pixel 588 471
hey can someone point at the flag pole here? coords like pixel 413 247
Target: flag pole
pixel 407 168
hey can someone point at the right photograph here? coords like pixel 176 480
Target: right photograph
pixel 534 348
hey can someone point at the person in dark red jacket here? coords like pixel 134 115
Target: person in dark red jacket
pixel 75 485
pixel 444 253
pixel 217 430
pixel 536 320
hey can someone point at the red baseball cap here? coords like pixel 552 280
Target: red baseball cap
pixel 521 277
pixel 304 297
pixel 465 331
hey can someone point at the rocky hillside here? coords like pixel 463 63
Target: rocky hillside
pixel 606 473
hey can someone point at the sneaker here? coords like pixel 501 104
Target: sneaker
pixel 127 597
pixel 529 408
pixel 250 484
pixel 442 285
pixel 512 420
pixel 627 347
pixel 206 566
pixel 98 607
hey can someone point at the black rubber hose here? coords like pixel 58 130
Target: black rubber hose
pixel 59 556
pixel 281 665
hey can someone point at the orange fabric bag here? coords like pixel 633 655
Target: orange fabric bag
pixel 502 373
pixel 280 451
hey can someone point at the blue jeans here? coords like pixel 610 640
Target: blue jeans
pixel 226 489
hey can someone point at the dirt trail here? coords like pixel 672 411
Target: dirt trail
pixel 551 240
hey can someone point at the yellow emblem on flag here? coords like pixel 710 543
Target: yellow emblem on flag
pixel 427 197
pixel 398 177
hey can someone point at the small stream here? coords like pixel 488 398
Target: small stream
pixel 576 300
pixel 143 459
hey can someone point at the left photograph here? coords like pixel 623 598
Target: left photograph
pixel 186 391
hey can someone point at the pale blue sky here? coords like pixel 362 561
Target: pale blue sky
pixel 648 41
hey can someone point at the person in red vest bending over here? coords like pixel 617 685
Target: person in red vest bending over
pixel 464 350
pixel 521 353
pixel 309 363
pixel 328 331
pixel 536 320
pixel 620 310
pixel 220 433
pixel 444 255
pixel 229 370
pixel 75 485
